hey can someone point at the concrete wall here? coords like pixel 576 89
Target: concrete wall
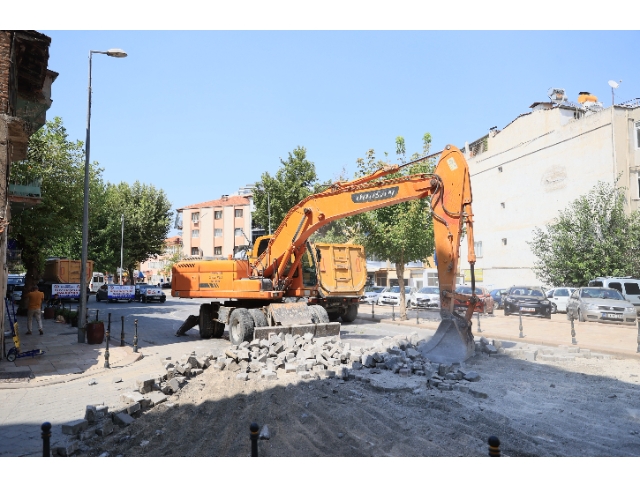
pixel 535 167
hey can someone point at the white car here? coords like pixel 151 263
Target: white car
pixel 426 297
pixel 371 294
pixel 391 296
pixel 559 297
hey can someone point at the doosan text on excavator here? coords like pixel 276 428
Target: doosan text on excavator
pixel 251 293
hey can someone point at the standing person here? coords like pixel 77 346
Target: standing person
pixel 35 299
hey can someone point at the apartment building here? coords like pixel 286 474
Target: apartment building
pixel 154 271
pixel 524 174
pixel 216 228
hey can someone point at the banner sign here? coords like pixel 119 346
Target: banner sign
pixel 66 291
pixel 151 291
pixel 115 291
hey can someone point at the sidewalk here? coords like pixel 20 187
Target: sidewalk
pixel 64 359
pixel 620 340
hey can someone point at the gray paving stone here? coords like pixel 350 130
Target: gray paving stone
pixel 123 419
pixel 75 427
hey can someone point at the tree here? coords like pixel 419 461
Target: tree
pixel 293 182
pixel 51 228
pixel 147 220
pixel 592 237
pixel 399 233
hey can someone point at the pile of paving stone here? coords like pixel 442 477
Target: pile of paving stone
pixel 311 357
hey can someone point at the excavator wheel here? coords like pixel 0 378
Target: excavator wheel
pixel 240 326
pixel 351 314
pixel 259 319
pixel 206 323
pixel 319 314
pixel 333 316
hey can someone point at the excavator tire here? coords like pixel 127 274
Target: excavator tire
pixel 351 314
pixel 240 326
pixel 206 322
pixel 333 316
pixel 319 314
pixel 259 319
pixel 218 329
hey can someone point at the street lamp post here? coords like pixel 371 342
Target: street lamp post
pixel 82 308
pixel 121 249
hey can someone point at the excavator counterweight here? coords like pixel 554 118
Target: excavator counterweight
pixel 251 292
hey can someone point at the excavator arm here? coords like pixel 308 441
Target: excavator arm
pixel 449 188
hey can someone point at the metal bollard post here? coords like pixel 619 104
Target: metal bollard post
pixel 135 336
pixel 371 309
pixel 573 333
pixel 106 353
pixel 494 446
pixel 520 315
pixel 46 437
pixel 97 314
pixel 479 330
pixel 417 316
pixel 638 350
pixel 122 332
pixel 393 313
pixel 254 428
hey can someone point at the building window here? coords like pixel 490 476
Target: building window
pixel 637 135
pixel 238 232
pixel 195 233
pixel 195 251
pixel 499 168
pixel 217 215
pixel 195 217
pixel 217 251
pixel 238 213
pixel 217 232
pixel 502 204
pixel 477 247
pixel 504 241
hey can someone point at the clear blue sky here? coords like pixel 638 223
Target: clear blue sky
pixel 201 113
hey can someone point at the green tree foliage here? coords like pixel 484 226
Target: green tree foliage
pixel 592 237
pixel 147 220
pixel 293 182
pixel 49 228
pixel 399 233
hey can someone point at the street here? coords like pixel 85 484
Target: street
pixel 25 409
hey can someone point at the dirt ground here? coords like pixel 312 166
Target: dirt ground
pixel 588 407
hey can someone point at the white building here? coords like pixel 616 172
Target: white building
pixel 524 175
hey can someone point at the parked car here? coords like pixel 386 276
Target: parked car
pixel 147 292
pixel 627 286
pixel 16 292
pixel 166 285
pixel 371 294
pixel 528 300
pixel 485 305
pixel 391 296
pixel 600 304
pixel 102 294
pixel 497 295
pixel 426 297
pixel 559 297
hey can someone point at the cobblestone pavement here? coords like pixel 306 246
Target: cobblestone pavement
pixel 59 395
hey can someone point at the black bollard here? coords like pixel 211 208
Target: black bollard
pixel 46 439
pixel 573 333
pixel 393 313
pixel 372 309
pixel 494 446
pixel 135 336
pixel 417 316
pixel 97 314
pixel 254 428
pixel 479 330
pixel 106 353
pixel 520 315
pixel 122 332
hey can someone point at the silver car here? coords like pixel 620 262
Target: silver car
pixel 426 297
pixel 600 304
pixel 371 294
pixel 391 296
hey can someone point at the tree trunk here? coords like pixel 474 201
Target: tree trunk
pixel 403 300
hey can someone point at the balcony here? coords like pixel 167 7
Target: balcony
pixel 23 196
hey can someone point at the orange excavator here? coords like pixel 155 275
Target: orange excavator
pixel 252 292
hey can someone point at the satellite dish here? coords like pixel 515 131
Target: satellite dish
pixel 613 84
